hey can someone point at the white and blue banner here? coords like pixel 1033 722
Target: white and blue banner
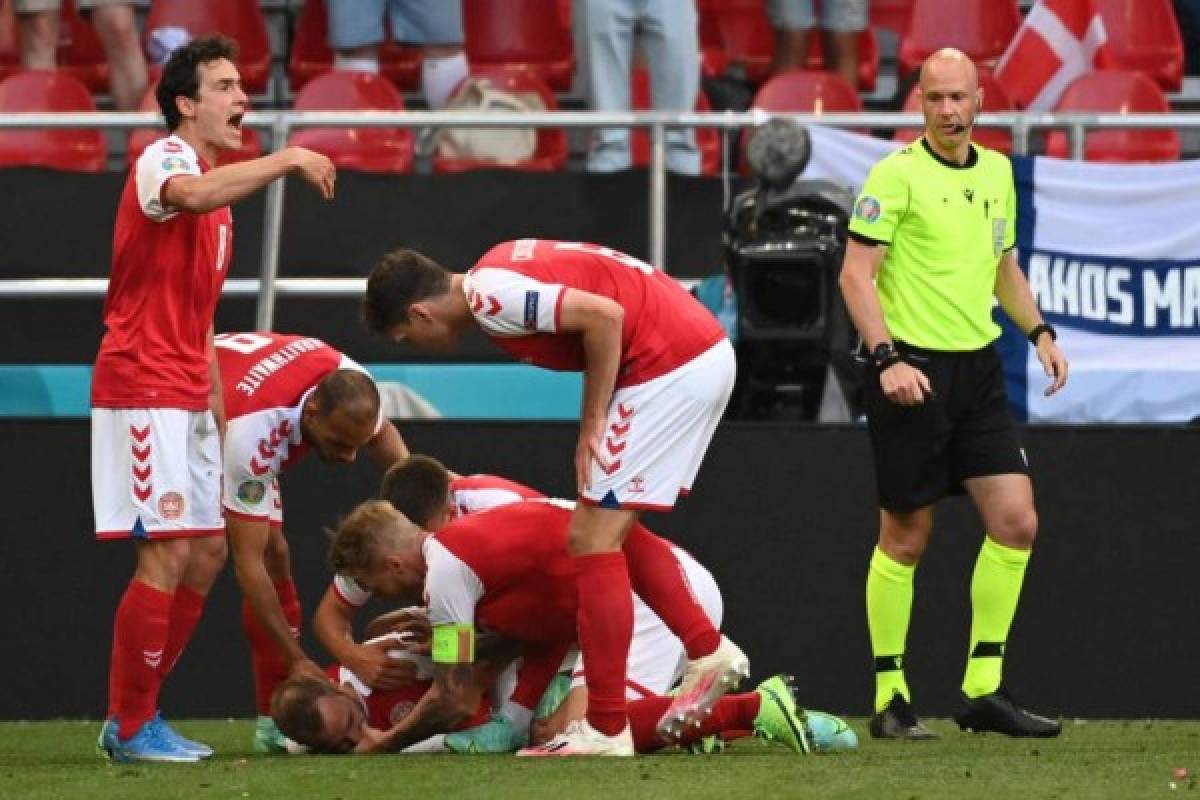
pixel 1112 253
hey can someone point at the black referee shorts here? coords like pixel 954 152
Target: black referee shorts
pixel 965 430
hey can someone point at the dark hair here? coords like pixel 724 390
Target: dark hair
pixel 417 487
pixel 401 278
pixel 350 390
pixel 294 708
pixel 181 73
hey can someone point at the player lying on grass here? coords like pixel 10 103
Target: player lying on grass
pixel 516 585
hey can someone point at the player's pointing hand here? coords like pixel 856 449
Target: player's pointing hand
pixel 314 168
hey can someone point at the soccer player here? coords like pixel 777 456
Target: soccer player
pixel 931 248
pixel 156 400
pixel 657 374
pixel 285 395
pixel 507 568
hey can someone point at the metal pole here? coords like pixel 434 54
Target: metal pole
pixel 264 318
pixel 1020 134
pixel 658 196
pixel 1077 141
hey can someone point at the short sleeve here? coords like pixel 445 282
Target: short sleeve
pixel 248 474
pixel 453 589
pixel 882 203
pixel 1010 214
pixel 507 303
pixel 349 591
pixel 158 163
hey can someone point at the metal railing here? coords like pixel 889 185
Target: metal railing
pixel 281 123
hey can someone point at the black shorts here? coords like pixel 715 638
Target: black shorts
pixel 965 430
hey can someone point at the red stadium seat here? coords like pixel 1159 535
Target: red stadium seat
pixel 807 91
pixel 140 138
pixel 387 150
pixel 521 36
pixel 551 151
pixel 1122 92
pixel 708 140
pixel 994 99
pixel 1144 35
pixel 311 55
pixel 980 28
pixel 72 149
pixel 10 48
pixel 891 14
pixel 740 31
pixel 239 20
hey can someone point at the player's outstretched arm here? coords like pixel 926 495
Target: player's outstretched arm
pixel 387 447
pixel 333 625
pixel 1013 293
pixel 248 541
pixel 598 321
pixel 226 185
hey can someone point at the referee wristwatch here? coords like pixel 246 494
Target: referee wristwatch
pixel 1038 330
pixel 885 355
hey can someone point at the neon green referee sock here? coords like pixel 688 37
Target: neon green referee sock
pixel 889 607
pixel 995 590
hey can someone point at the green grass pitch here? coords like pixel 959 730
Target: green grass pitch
pixel 1092 759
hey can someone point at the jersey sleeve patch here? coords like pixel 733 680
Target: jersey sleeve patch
pixel 506 303
pixel 157 164
pixel 882 202
pixel 350 591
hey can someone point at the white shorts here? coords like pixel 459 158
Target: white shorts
pixel 658 432
pixel 156 473
pixel 656 657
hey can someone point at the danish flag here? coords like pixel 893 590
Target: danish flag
pixel 1058 41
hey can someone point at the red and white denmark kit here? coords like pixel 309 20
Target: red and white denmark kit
pixel 676 372
pixel 468 495
pixel 155 453
pixel 267 377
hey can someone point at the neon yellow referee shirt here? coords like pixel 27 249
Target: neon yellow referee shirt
pixel 945 226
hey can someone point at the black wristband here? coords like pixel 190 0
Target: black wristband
pixel 885 355
pixel 1039 330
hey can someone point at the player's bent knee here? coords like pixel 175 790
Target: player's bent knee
pixel 1017 529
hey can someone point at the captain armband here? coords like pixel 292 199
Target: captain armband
pixel 453 644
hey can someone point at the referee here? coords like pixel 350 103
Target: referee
pixel 931 244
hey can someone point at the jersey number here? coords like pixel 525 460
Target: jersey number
pixel 244 343
pixel 607 252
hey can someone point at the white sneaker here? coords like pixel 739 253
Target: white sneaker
pixel 581 739
pixel 705 680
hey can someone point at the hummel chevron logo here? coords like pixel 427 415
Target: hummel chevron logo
pixel 614 448
pixel 257 468
pixel 609 469
pixel 142 494
pixel 141 453
pixel 495 308
pixel 142 473
pixel 625 413
pixel 139 433
pixel 476 302
pixel 265 451
pixel 621 430
pixel 152 658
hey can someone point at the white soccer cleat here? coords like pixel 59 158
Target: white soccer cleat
pixel 581 739
pixel 704 682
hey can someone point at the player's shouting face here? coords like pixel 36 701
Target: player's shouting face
pixel 219 106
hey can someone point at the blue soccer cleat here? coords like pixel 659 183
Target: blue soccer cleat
pixel 830 734
pixel 199 748
pixel 151 742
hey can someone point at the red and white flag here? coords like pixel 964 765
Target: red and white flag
pixel 1058 41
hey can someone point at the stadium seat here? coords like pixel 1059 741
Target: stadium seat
pixel 807 91
pixel 1121 92
pixel 980 28
pixel 521 36
pixel 738 31
pixel 708 140
pixel 387 150
pixel 311 55
pixel 551 151
pixel 891 14
pixel 72 149
pixel 994 99
pixel 140 138
pixel 239 20
pixel 1144 35
pixel 10 48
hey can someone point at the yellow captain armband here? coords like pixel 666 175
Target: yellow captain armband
pixel 453 644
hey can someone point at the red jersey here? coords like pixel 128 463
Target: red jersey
pixel 516 290
pixel 266 377
pixel 167 271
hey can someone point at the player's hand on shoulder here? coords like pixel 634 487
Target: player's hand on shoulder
pixel 904 384
pixel 307 668
pixel 374 666
pixel 314 168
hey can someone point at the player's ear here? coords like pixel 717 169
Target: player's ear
pixel 186 106
pixel 420 311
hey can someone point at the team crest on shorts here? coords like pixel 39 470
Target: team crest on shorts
pixel 251 492
pixel 170 506
pixel 867 209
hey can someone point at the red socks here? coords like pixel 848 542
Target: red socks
pixel 605 622
pixel 659 579
pixel 270 667
pixel 733 712
pixel 186 609
pixel 138 652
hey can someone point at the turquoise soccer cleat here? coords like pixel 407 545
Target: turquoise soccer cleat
pixel 497 735
pixel 830 734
